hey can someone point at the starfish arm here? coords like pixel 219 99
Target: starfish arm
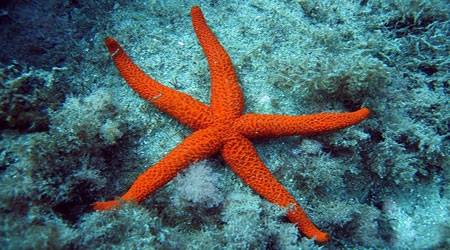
pixel 197 146
pixel 226 95
pixel 243 159
pixel 181 106
pixel 264 125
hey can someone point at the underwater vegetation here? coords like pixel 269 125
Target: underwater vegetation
pixel 73 133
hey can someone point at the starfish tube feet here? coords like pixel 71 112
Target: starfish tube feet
pixel 243 159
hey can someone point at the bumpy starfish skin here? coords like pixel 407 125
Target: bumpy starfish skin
pixel 221 127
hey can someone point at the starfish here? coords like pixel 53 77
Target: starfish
pixel 221 128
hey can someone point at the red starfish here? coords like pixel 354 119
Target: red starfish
pixel 221 127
